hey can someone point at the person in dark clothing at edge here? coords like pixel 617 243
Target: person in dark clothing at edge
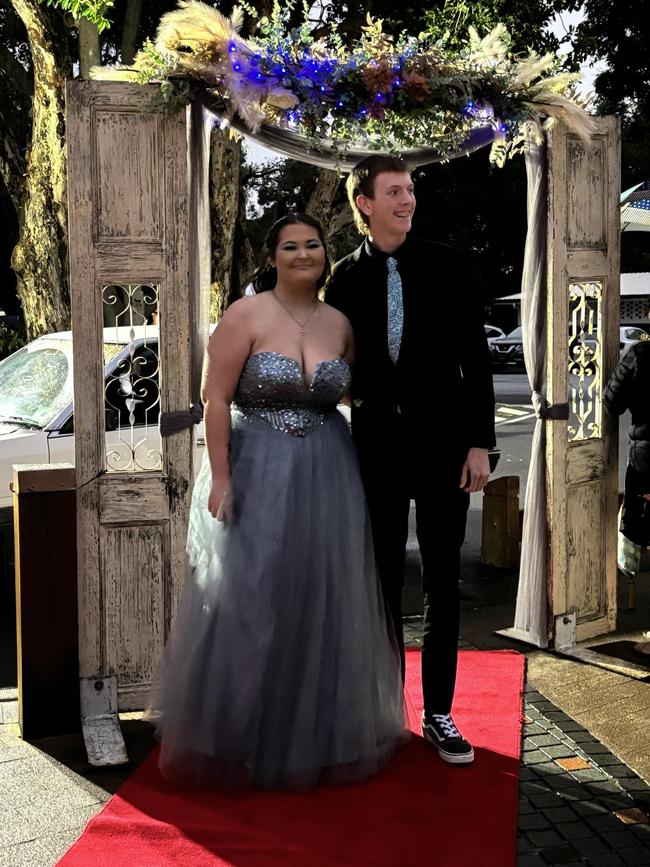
pixel 629 388
pixel 422 413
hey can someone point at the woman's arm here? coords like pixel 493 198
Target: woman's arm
pixel 228 349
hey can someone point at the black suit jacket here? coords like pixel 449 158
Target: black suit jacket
pixel 440 391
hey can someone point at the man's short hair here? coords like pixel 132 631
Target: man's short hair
pixel 361 182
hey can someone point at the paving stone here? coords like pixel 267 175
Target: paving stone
pixel 623 839
pixel 533 729
pixel 530 859
pixel 559 854
pixel 560 814
pixel 591 847
pixel 635 856
pixel 635 785
pixel 526 807
pixel 533 822
pixel 573 830
pixel 526 775
pixel 575 792
pixel 534 757
pixel 547 800
pixel 605 761
pixel 545 839
pixel 545 740
pixel 596 748
pixel 616 803
pixel 524 845
pixel 583 737
pixel 561 751
pixel 606 787
pixel 620 771
pixel 558 717
pixel 589 808
pixel 605 822
pixel 546 707
pixel 611 860
pixel 547 769
pixel 589 776
pixel 532 787
pixel 573 764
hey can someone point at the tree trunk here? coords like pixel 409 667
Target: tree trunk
pixel 89 54
pixel 130 30
pixel 225 158
pixel 321 201
pixel 40 256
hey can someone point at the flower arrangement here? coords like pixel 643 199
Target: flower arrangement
pixel 383 93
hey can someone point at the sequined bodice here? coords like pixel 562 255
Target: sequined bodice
pixel 272 389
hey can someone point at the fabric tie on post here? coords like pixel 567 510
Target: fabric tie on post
pixel 395 310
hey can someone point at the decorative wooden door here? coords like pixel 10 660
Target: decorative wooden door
pixel 583 347
pixel 129 265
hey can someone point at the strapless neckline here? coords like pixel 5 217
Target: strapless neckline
pixel 319 364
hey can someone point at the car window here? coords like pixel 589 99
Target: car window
pixel 35 383
pixel 516 334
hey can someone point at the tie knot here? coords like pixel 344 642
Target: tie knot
pixel 392 265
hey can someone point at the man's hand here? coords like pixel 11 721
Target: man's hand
pixel 476 471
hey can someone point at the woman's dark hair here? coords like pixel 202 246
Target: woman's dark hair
pixel 266 275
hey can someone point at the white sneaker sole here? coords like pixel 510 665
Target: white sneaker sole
pixel 451 758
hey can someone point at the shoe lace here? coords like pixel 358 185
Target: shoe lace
pixel 446 723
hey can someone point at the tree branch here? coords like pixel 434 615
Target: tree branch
pixel 130 30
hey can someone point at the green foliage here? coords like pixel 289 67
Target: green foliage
pixel 93 10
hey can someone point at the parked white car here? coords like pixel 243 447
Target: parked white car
pixel 36 390
pixel 492 332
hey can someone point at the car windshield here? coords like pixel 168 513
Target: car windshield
pixel 516 334
pixel 36 382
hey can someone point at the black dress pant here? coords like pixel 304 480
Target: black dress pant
pixel 441 514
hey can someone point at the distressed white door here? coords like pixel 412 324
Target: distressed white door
pixel 128 223
pixel 583 348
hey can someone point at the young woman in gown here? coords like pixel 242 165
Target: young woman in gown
pixel 279 671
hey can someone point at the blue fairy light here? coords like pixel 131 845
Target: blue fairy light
pixel 380 97
pixel 232 48
pixel 503 127
pixel 397 82
pixel 237 67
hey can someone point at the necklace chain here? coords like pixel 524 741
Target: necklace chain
pixel 301 325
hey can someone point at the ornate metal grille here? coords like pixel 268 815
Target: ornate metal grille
pixel 585 357
pixel 132 390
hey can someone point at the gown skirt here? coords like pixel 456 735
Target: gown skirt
pixel 280 670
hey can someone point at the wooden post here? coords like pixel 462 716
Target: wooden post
pixel 45 540
pixel 500 536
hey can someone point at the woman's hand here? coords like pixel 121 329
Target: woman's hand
pixel 220 499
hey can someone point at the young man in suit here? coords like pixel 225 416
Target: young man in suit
pixel 422 413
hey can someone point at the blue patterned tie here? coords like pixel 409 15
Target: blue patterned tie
pixel 395 310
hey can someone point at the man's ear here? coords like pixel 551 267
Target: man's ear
pixel 364 204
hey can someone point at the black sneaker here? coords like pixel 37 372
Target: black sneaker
pixel 439 730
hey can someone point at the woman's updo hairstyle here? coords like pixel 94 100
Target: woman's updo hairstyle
pixel 266 276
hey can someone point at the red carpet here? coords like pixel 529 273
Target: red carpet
pixel 420 812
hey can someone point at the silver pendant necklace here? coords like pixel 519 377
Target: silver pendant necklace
pixel 301 325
